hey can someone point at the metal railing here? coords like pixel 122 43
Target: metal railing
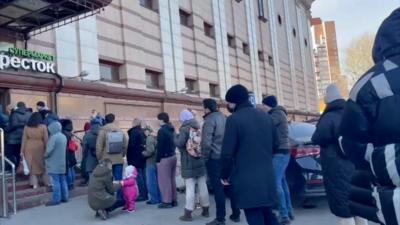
pixel 5 160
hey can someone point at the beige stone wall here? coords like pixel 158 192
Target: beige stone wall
pixel 130 35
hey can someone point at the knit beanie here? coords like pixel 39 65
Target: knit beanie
pixel 270 101
pixel 210 104
pixel 185 115
pixel 237 94
pixel 332 93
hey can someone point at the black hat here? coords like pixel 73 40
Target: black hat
pixel 270 101
pixel 210 104
pixel 237 94
pixel 41 104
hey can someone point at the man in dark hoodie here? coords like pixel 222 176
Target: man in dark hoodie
pixel 370 128
pixel 166 162
pixel 249 144
pixel 14 131
pixel 281 157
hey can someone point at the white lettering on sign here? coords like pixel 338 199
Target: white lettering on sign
pixel 15 62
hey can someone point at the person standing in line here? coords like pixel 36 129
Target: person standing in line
pixel 34 141
pixel 250 141
pixel 134 156
pixel 89 149
pixel 193 169
pixel 103 150
pixel 72 147
pixel 151 167
pixel 56 164
pixel 211 143
pixel 166 162
pixel 18 119
pixel 281 157
pixel 47 115
pixel 336 168
pixel 85 175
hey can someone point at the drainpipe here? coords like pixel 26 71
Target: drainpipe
pixel 54 94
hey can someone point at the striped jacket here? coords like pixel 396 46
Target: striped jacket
pixel 370 126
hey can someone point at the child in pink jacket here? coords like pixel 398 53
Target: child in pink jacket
pixel 130 188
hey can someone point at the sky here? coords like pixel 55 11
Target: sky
pixel 353 17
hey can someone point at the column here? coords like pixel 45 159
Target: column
pixel 171 41
pixel 275 51
pixel 88 48
pixel 252 32
pixel 222 48
pixel 291 56
pixel 67 50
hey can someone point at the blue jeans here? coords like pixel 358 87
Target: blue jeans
pixel 281 162
pixel 60 187
pixel 117 171
pixel 141 182
pixel 152 184
pixel 71 176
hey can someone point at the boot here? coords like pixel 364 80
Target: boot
pixel 206 212
pixel 187 216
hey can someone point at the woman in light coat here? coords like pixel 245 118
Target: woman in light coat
pixel 33 146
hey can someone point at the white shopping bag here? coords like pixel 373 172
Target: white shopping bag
pixel 25 166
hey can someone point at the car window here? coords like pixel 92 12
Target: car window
pixel 301 132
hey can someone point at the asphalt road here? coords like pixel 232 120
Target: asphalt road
pixel 77 212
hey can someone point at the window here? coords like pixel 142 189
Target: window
pixel 153 79
pixel 6 43
pixel 246 49
pixel 214 90
pixel 186 18
pixel 109 71
pixel 208 30
pixel 279 19
pixel 191 85
pixel 270 60
pixel 150 4
pixel 261 56
pixel 231 41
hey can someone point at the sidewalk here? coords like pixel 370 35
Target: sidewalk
pixel 77 212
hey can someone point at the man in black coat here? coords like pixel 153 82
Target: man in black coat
pixel 248 147
pixel 371 126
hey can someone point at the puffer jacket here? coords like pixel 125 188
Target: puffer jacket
pixel 56 150
pixel 191 167
pixel 279 116
pixel 336 168
pixel 15 129
pixel 213 135
pixel 89 148
pixel 101 191
pixel 371 123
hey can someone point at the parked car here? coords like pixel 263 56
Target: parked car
pixel 304 173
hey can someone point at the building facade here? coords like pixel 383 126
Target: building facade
pixel 138 58
pixel 326 57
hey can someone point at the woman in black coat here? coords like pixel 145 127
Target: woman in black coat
pixel 67 128
pixel 136 146
pixel 336 168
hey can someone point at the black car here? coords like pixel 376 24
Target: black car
pixel 304 172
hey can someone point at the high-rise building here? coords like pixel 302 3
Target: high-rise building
pixel 326 56
pixel 140 57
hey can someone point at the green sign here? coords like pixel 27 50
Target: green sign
pixel 18 58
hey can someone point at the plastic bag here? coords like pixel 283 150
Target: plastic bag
pixel 25 166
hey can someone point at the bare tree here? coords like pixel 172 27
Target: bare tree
pixel 358 56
